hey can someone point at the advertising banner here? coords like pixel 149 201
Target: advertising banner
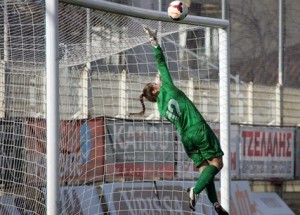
pixel 266 152
pixel 139 150
pixel 83 200
pixel 185 166
pixel 81 150
pixel 162 197
pixel 246 202
pixel 297 153
pixel 170 197
pixel 11 151
pixel 271 203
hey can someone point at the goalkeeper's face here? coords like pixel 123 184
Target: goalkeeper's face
pixel 155 88
pixel 151 91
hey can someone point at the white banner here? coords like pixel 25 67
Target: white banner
pixel 271 203
pixel 152 198
pixel 83 200
pixel 170 197
pixel 297 153
pixel 266 152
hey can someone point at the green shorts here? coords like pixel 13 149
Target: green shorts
pixel 201 143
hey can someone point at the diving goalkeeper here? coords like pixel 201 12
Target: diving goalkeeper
pixel 199 141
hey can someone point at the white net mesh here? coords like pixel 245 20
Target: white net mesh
pixel 104 59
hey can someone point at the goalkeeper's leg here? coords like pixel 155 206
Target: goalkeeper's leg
pixel 208 170
pixel 207 174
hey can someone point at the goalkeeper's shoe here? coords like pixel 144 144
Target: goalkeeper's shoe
pixel 219 209
pixel 193 197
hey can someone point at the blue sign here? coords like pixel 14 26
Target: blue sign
pixel 85 142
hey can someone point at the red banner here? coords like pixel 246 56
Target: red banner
pixel 81 150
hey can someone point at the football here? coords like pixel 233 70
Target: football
pixel 177 10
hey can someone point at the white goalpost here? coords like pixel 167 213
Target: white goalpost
pixel 72 72
pixel 52 98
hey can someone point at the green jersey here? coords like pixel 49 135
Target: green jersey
pixel 172 103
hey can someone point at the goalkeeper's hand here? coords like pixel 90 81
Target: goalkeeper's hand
pixel 152 36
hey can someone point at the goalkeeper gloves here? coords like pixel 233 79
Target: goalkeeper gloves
pixel 152 36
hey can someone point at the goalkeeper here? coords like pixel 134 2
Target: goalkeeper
pixel 199 141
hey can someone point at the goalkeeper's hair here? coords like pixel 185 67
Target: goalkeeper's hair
pixel 147 93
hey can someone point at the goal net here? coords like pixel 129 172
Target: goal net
pixel 110 163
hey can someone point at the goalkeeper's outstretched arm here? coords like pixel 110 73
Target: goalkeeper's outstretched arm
pixel 159 57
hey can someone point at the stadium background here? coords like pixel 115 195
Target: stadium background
pixel 254 47
pixel 254 36
pixel 254 59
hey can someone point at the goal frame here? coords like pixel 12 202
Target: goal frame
pixel 52 75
